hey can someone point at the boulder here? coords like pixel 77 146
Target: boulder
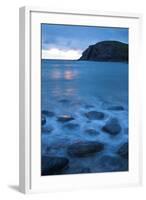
pixel 123 151
pixel 65 118
pixel 81 149
pixel 43 120
pixel 71 126
pixel 91 131
pixel 64 101
pixel 85 170
pixel 112 127
pixel 47 129
pixel 112 164
pixel 88 106
pixel 94 115
pixel 48 113
pixel 116 108
pixel 53 165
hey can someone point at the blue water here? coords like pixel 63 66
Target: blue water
pixel 74 88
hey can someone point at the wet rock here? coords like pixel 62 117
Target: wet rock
pixel 94 115
pixel 85 170
pixel 43 120
pixel 123 151
pixel 112 127
pixel 64 101
pixel 71 126
pixel 53 165
pixel 126 131
pixel 47 129
pixel 116 108
pixel 65 118
pixel 48 113
pixel 89 106
pixel 92 131
pixel 81 149
pixel 112 163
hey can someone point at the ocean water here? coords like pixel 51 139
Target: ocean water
pixel 74 88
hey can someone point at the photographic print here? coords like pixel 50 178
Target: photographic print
pixel 84 99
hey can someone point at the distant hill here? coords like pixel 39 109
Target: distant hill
pixel 114 51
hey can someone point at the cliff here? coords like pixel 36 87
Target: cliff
pixel 113 51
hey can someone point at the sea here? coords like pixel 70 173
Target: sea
pixel 74 88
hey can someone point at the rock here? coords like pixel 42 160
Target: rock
pixel 71 126
pixel 94 115
pixel 64 101
pixel 106 51
pixel 43 120
pixel 81 149
pixel 89 106
pixel 48 113
pixel 112 127
pixel 65 118
pixel 47 129
pixel 91 131
pixel 116 108
pixel 123 151
pixel 53 165
pixel 112 163
pixel 85 170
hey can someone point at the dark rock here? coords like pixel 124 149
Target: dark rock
pixel 53 165
pixel 81 149
pixel 116 108
pixel 126 131
pixel 92 131
pixel 43 120
pixel 112 127
pixel 85 170
pixel 106 51
pixel 71 126
pixel 65 118
pixel 47 129
pixel 89 106
pixel 48 113
pixel 94 115
pixel 123 151
pixel 64 101
pixel 112 163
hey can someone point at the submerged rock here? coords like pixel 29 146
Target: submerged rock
pixel 116 108
pixel 91 131
pixel 64 101
pixel 112 127
pixel 123 151
pixel 47 129
pixel 71 126
pixel 112 163
pixel 88 106
pixel 94 115
pixel 53 165
pixel 48 113
pixel 81 149
pixel 65 118
pixel 85 170
pixel 43 120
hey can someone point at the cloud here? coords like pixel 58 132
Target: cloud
pixel 55 53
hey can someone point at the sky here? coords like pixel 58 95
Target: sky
pixel 68 41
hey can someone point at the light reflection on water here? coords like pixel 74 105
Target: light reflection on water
pixel 58 75
pixel 74 79
pixel 68 74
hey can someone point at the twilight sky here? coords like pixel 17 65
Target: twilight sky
pixel 68 42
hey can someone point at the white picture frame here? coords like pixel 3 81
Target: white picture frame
pixel 29 160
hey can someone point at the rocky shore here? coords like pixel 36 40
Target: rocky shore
pixel 100 145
